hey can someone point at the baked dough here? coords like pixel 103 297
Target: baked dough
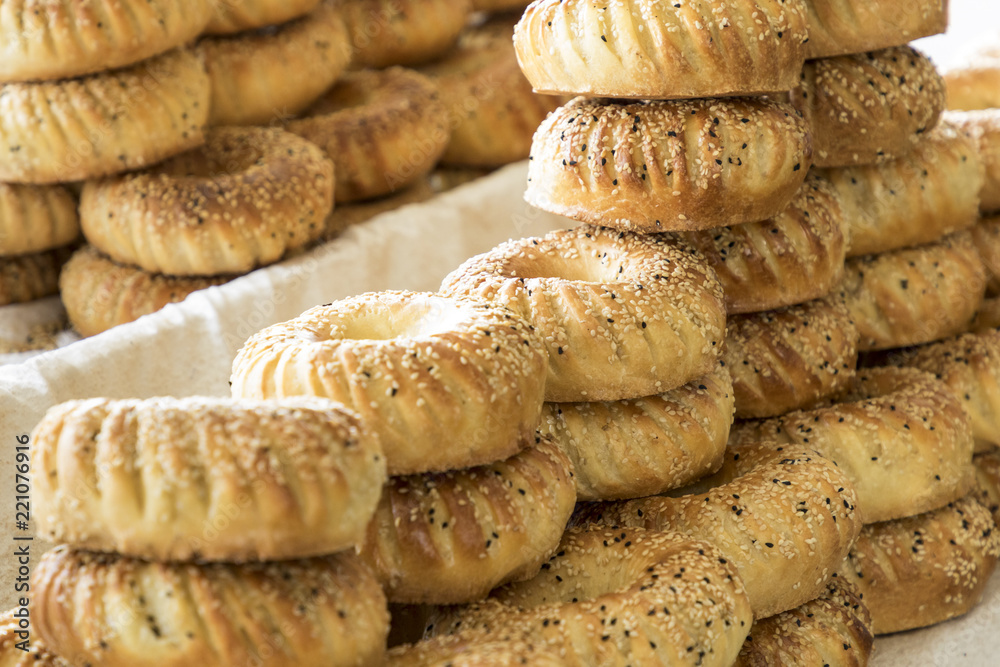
pixel 796 256
pixel 299 613
pixel 792 358
pixel 902 437
pixel 445 383
pixel 452 537
pixel 13 633
pixel 204 478
pixel 645 446
pixel 36 218
pixel 661 166
pixel 786 521
pixel 869 107
pixel 239 15
pixel 30 277
pixel 837 27
pixel 383 130
pixel 99 293
pixel 105 123
pixel 919 295
pixel 984 129
pixel 919 198
pixel 608 597
pixel 62 39
pixel 622 315
pixel 924 569
pixel 241 201
pixel 403 32
pixel 662 49
pixel 976 84
pixel 268 76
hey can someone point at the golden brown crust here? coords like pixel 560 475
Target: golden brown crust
pixel 206 479
pixel 984 129
pixel 403 32
pixel 796 256
pixel 663 166
pixel 662 49
pixel 36 218
pixel 924 569
pixel 790 359
pixel 987 316
pixel 608 597
pixel 970 365
pixel 420 369
pixel 869 107
pixel 930 192
pixel 786 523
pixel 266 77
pixel 622 315
pixel 119 612
pixel 382 129
pixel 900 436
pixel 452 537
pixel 61 39
pixel 105 123
pixel 239 15
pixel 241 201
pixel 493 111
pixel 30 277
pixel 837 27
pixel 914 296
pixel 988 478
pixel 976 84
pixel 99 293
pixel 834 630
pixel 630 449
pixel 17 646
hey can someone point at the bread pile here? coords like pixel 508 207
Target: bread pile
pixel 777 227
pixel 177 115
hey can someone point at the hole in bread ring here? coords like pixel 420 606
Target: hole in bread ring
pixel 900 435
pixel 785 523
pixel 447 538
pixel 622 315
pixel 622 596
pixel 446 383
pixel 240 201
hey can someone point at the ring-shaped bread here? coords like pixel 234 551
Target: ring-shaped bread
pixel 790 359
pixel 869 107
pixel 786 521
pixel 63 39
pixel 448 538
pixel 834 630
pixel 29 277
pixel 493 113
pixel 901 436
pixel 970 365
pixel 837 27
pixel 662 49
pixel 241 201
pixel 608 597
pixel 241 15
pixel 160 478
pixel 975 85
pixel 622 315
pixel 294 613
pixel 644 446
pixel 669 166
pixel 919 198
pixel 403 32
pixel 917 295
pixel 924 569
pixel 99 293
pixel 267 76
pixel 796 256
pixel 106 123
pixel 36 218
pixel 446 383
pixel 383 130
pixel 984 128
